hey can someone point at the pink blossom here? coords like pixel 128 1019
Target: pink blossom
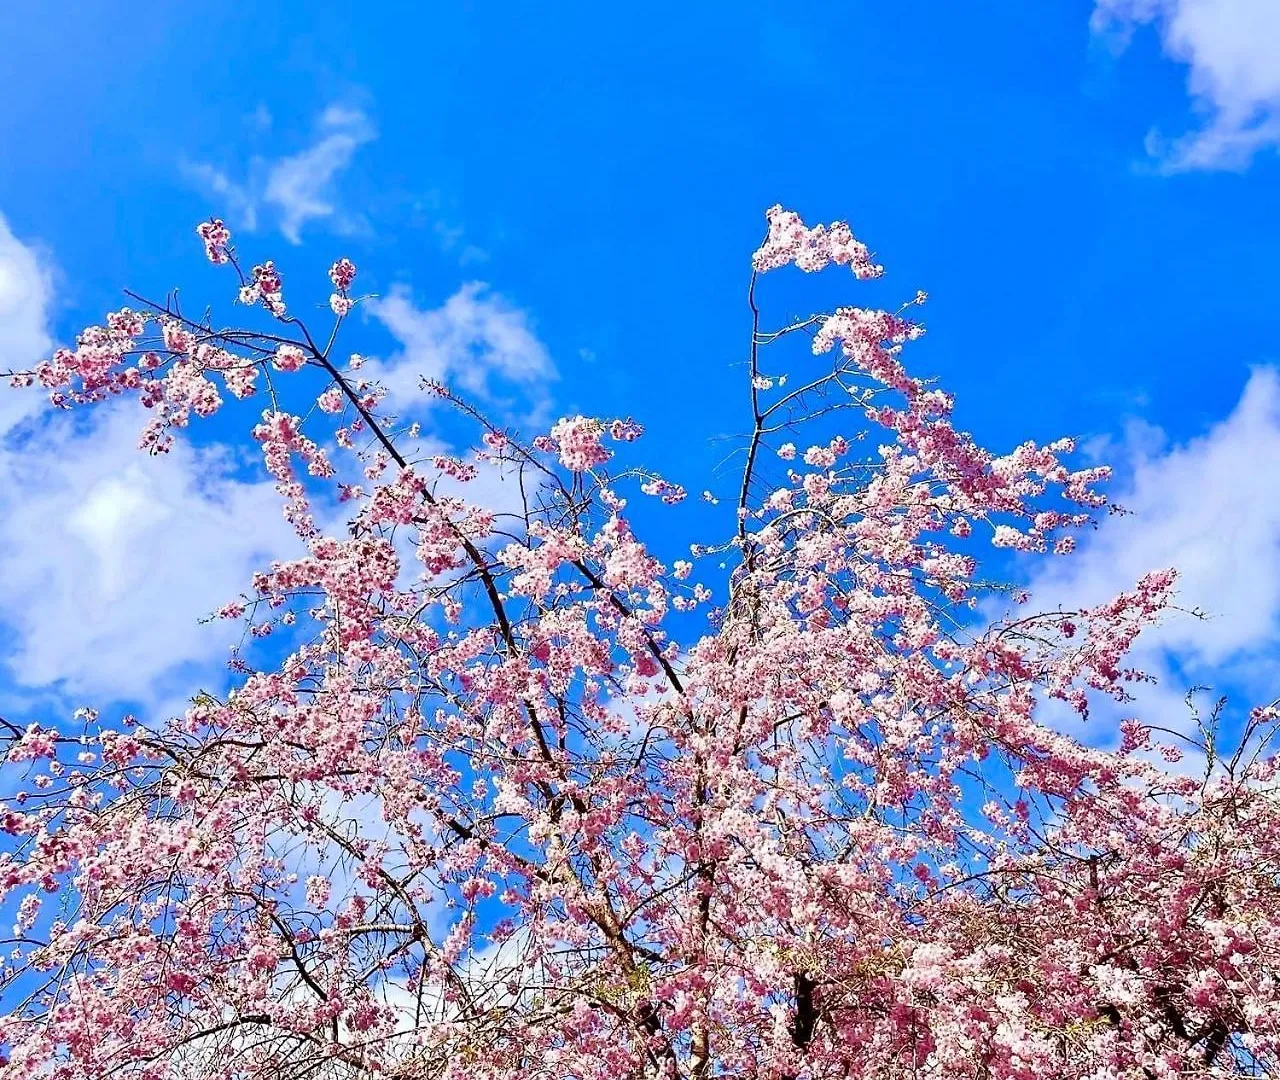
pixel 789 241
pixel 217 240
pixel 289 358
pixel 342 273
pixel 802 819
pixel 332 400
pixel 578 442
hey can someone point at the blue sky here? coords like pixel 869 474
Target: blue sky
pixel 1086 191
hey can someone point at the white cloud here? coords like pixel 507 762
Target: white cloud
pixel 299 185
pixel 25 298
pixel 475 341
pixel 1232 50
pixel 452 239
pixel 298 188
pixel 235 201
pixel 1209 507
pixel 110 559
pixel 480 344
pixel 261 118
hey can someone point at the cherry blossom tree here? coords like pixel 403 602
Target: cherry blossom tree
pixel 509 792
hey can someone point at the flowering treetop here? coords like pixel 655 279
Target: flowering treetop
pixel 519 799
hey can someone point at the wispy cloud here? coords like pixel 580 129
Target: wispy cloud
pixel 260 119
pixel 296 189
pixel 1207 508
pixel 236 202
pixel 453 242
pixel 476 341
pixel 299 186
pixel 1232 51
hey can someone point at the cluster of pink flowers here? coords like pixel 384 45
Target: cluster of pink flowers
pixel 790 242
pixel 625 430
pixel 281 436
pixel 577 439
pixel 289 358
pixel 266 287
pixel 217 240
pixel 665 490
pixel 342 274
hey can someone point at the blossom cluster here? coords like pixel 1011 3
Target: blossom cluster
pixel 509 794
